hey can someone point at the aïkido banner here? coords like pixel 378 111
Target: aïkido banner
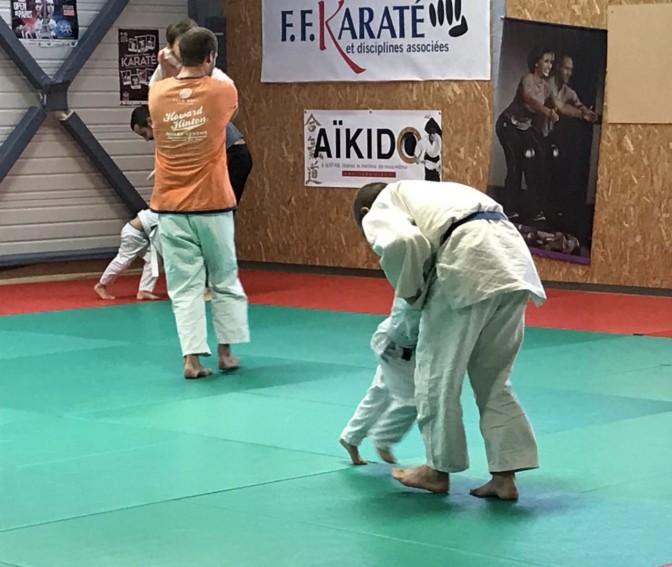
pixel 350 148
pixel 375 40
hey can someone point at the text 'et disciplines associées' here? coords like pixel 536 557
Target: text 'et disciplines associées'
pixel 387 47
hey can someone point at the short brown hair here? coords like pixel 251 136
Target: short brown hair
pixel 364 198
pixel 140 117
pixel 196 45
pixel 177 29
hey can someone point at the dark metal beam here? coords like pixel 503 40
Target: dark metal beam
pixel 18 140
pixel 103 162
pixel 55 97
pixel 102 24
pixel 21 57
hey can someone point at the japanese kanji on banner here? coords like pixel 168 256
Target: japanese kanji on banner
pixel 349 148
pixel 375 40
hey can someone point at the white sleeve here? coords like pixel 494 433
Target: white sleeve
pixel 404 323
pixel 420 148
pixel 157 76
pixel 152 219
pixel 405 253
pixel 220 75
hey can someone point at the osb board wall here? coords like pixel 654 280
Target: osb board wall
pixel 282 221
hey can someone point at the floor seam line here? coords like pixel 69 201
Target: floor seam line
pixel 158 502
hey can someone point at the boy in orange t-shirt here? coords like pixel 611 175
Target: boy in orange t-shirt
pixel 195 201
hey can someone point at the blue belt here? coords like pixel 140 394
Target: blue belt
pixel 487 215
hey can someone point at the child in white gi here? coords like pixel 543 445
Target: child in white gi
pixel 387 411
pixel 136 242
pixel 169 56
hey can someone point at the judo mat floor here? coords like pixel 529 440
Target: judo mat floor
pixel 109 458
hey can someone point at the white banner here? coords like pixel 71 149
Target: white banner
pixel 375 40
pixel 350 148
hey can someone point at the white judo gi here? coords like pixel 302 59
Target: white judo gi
pixel 388 411
pixel 473 289
pixel 137 244
pixel 192 242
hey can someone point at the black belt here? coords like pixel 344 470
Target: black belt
pixel 487 215
pixel 392 348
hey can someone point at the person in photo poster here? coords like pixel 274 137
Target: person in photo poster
pixel 53 20
pixel 39 17
pixel 428 151
pixel 57 28
pixel 520 129
pixel 44 11
pixel 566 100
pixel 543 168
pixel 567 147
pixel 53 24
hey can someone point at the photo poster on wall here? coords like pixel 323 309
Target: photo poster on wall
pixel 138 59
pixel 350 148
pixel 548 106
pixel 46 23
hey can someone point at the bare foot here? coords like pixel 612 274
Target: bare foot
pixel 353 451
pixel 502 486
pixel 423 477
pixel 193 368
pixel 207 294
pixel 387 456
pixel 101 290
pixel 146 296
pixel 226 360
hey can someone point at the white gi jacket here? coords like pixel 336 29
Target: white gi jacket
pixel 481 258
pixel 401 328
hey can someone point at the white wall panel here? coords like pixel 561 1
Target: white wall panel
pixel 53 200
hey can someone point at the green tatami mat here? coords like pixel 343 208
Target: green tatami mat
pixel 186 466
pixel 177 534
pixel 548 526
pixel 108 457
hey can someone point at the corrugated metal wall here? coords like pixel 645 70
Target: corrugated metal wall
pixel 53 201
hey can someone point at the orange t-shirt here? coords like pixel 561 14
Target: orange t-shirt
pixel 189 118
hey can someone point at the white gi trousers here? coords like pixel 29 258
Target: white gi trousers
pixel 191 245
pixel 134 244
pixel 387 411
pixel 483 340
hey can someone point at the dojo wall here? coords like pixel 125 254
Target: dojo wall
pixel 54 201
pixel 282 221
